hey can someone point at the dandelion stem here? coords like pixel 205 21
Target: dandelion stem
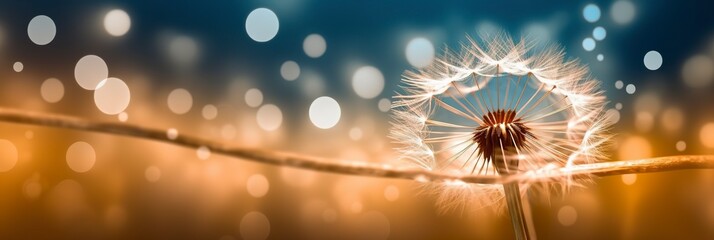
pixel 650 165
pixel 515 210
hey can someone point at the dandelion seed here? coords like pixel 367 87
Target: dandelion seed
pixel 498 107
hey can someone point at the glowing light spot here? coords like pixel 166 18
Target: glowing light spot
pixel 324 112
pixel 644 121
pixel 368 82
pixel 384 105
pixel 612 115
pixel 355 133
pixel 152 174
pixel 290 70
pixel 254 226
pixel 599 33
pixel 89 71
pixel 629 179
pixel 41 30
pixel 180 101
pixel 18 66
pixel 203 152
pixel 589 44
pixel 257 185
pixel 622 12
pixel 681 146
pixel 253 97
pixel 618 106
pixel 391 193
pixel 567 215
pixel 183 50
pixel 672 119
pixel 698 71
pixel 123 116
pixel 209 112
pixel 591 13
pixel 81 157
pixel 117 22
pixel 52 90
pixel 634 147
pixel 172 134
pixel 619 84
pixel 262 25
pixel 269 117
pixel 653 60
pixel 630 89
pixel 314 45
pixel 600 57
pixel 420 52
pixel 8 155
pixel 112 96
pixel 706 135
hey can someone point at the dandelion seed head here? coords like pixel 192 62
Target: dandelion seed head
pixel 498 107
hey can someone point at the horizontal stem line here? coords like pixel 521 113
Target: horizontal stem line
pixel 650 165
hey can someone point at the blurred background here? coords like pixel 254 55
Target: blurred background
pixel 317 77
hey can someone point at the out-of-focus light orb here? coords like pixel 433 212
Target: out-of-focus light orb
pixel 52 90
pixel 420 52
pixel 41 30
pixel 648 102
pixel 618 106
pixel 183 50
pixel 203 152
pixel 368 82
pixel 8 155
pixel 698 71
pixel 599 33
pixel 209 112
pixel 262 25
pixel 672 119
pixel 313 85
pixel 117 22
pixel 89 71
pixel 32 188
pixel 81 157
pixel 112 96
pixel 180 101
pixel 567 215
pixel 391 193
pixel 355 133
pixel 629 179
pixel 630 89
pixel 269 117
pixel 325 112
pixel 29 134
pixel 589 44
pixel 622 12
pixel 706 135
pixel 254 226
pixel 253 97
pixel 290 70
pixel 172 133
pixel 619 84
pixel 152 174
pixel 634 147
pixel 644 121
pixel 653 60
pixel 257 185
pixel 591 13
pixel 18 66
pixel 600 57
pixel 123 116
pixel 681 146
pixel 314 45
pixel 384 104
